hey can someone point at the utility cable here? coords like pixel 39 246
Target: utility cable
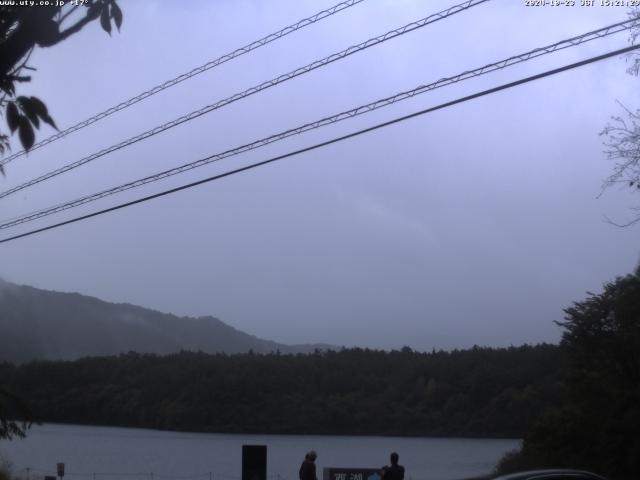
pixel 253 90
pixel 362 109
pixel 330 142
pixel 196 71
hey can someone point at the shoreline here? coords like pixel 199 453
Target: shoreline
pixel 278 434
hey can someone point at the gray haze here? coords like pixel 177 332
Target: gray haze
pixel 473 225
pixel 43 325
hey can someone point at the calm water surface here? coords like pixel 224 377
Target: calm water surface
pixel 106 453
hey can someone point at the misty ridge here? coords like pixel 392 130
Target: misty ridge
pixel 46 325
pixel 82 360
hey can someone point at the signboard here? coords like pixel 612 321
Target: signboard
pixel 334 473
pixel 254 462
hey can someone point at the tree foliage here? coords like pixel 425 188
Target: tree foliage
pixel 22 28
pixel 597 426
pixel 623 148
pixel 477 392
pixel 622 137
pixel 15 415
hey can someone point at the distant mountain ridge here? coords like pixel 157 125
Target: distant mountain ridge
pixel 46 325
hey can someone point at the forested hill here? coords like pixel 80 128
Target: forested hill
pixel 41 324
pixel 476 392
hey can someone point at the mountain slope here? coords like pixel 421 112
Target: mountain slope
pixel 41 324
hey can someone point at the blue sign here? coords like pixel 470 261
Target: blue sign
pixel 332 473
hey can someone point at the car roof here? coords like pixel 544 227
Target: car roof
pixel 542 474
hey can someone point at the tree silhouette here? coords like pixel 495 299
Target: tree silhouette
pixel 597 427
pixel 13 406
pixel 24 28
pixel 622 137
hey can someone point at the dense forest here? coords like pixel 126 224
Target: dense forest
pixel 494 392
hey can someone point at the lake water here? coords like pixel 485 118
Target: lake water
pixel 106 453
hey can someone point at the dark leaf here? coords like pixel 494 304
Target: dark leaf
pixel 2 168
pixel 105 21
pixel 7 86
pixel 21 78
pixel 33 118
pixel 25 131
pixel 116 14
pixel 13 117
pixel 41 110
pixel 94 10
pixel 48 33
pixel 29 110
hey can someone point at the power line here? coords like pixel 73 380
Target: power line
pixel 253 90
pixel 330 142
pixel 362 109
pixel 305 22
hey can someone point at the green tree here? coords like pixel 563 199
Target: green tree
pixel 13 407
pixel 598 425
pixel 24 28
pixel 622 137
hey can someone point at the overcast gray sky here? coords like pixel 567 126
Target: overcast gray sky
pixel 472 225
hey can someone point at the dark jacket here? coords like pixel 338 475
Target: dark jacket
pixel 308 470
pixel 393 472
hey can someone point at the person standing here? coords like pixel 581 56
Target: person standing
pixel 393 471
pixel 308 467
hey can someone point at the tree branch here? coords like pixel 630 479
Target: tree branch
pixel 63 17
pixel 75 28
pixel 621 225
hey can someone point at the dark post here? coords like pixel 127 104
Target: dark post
pixel 254 462
pixel 60 470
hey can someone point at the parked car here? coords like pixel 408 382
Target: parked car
pixel 557 474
